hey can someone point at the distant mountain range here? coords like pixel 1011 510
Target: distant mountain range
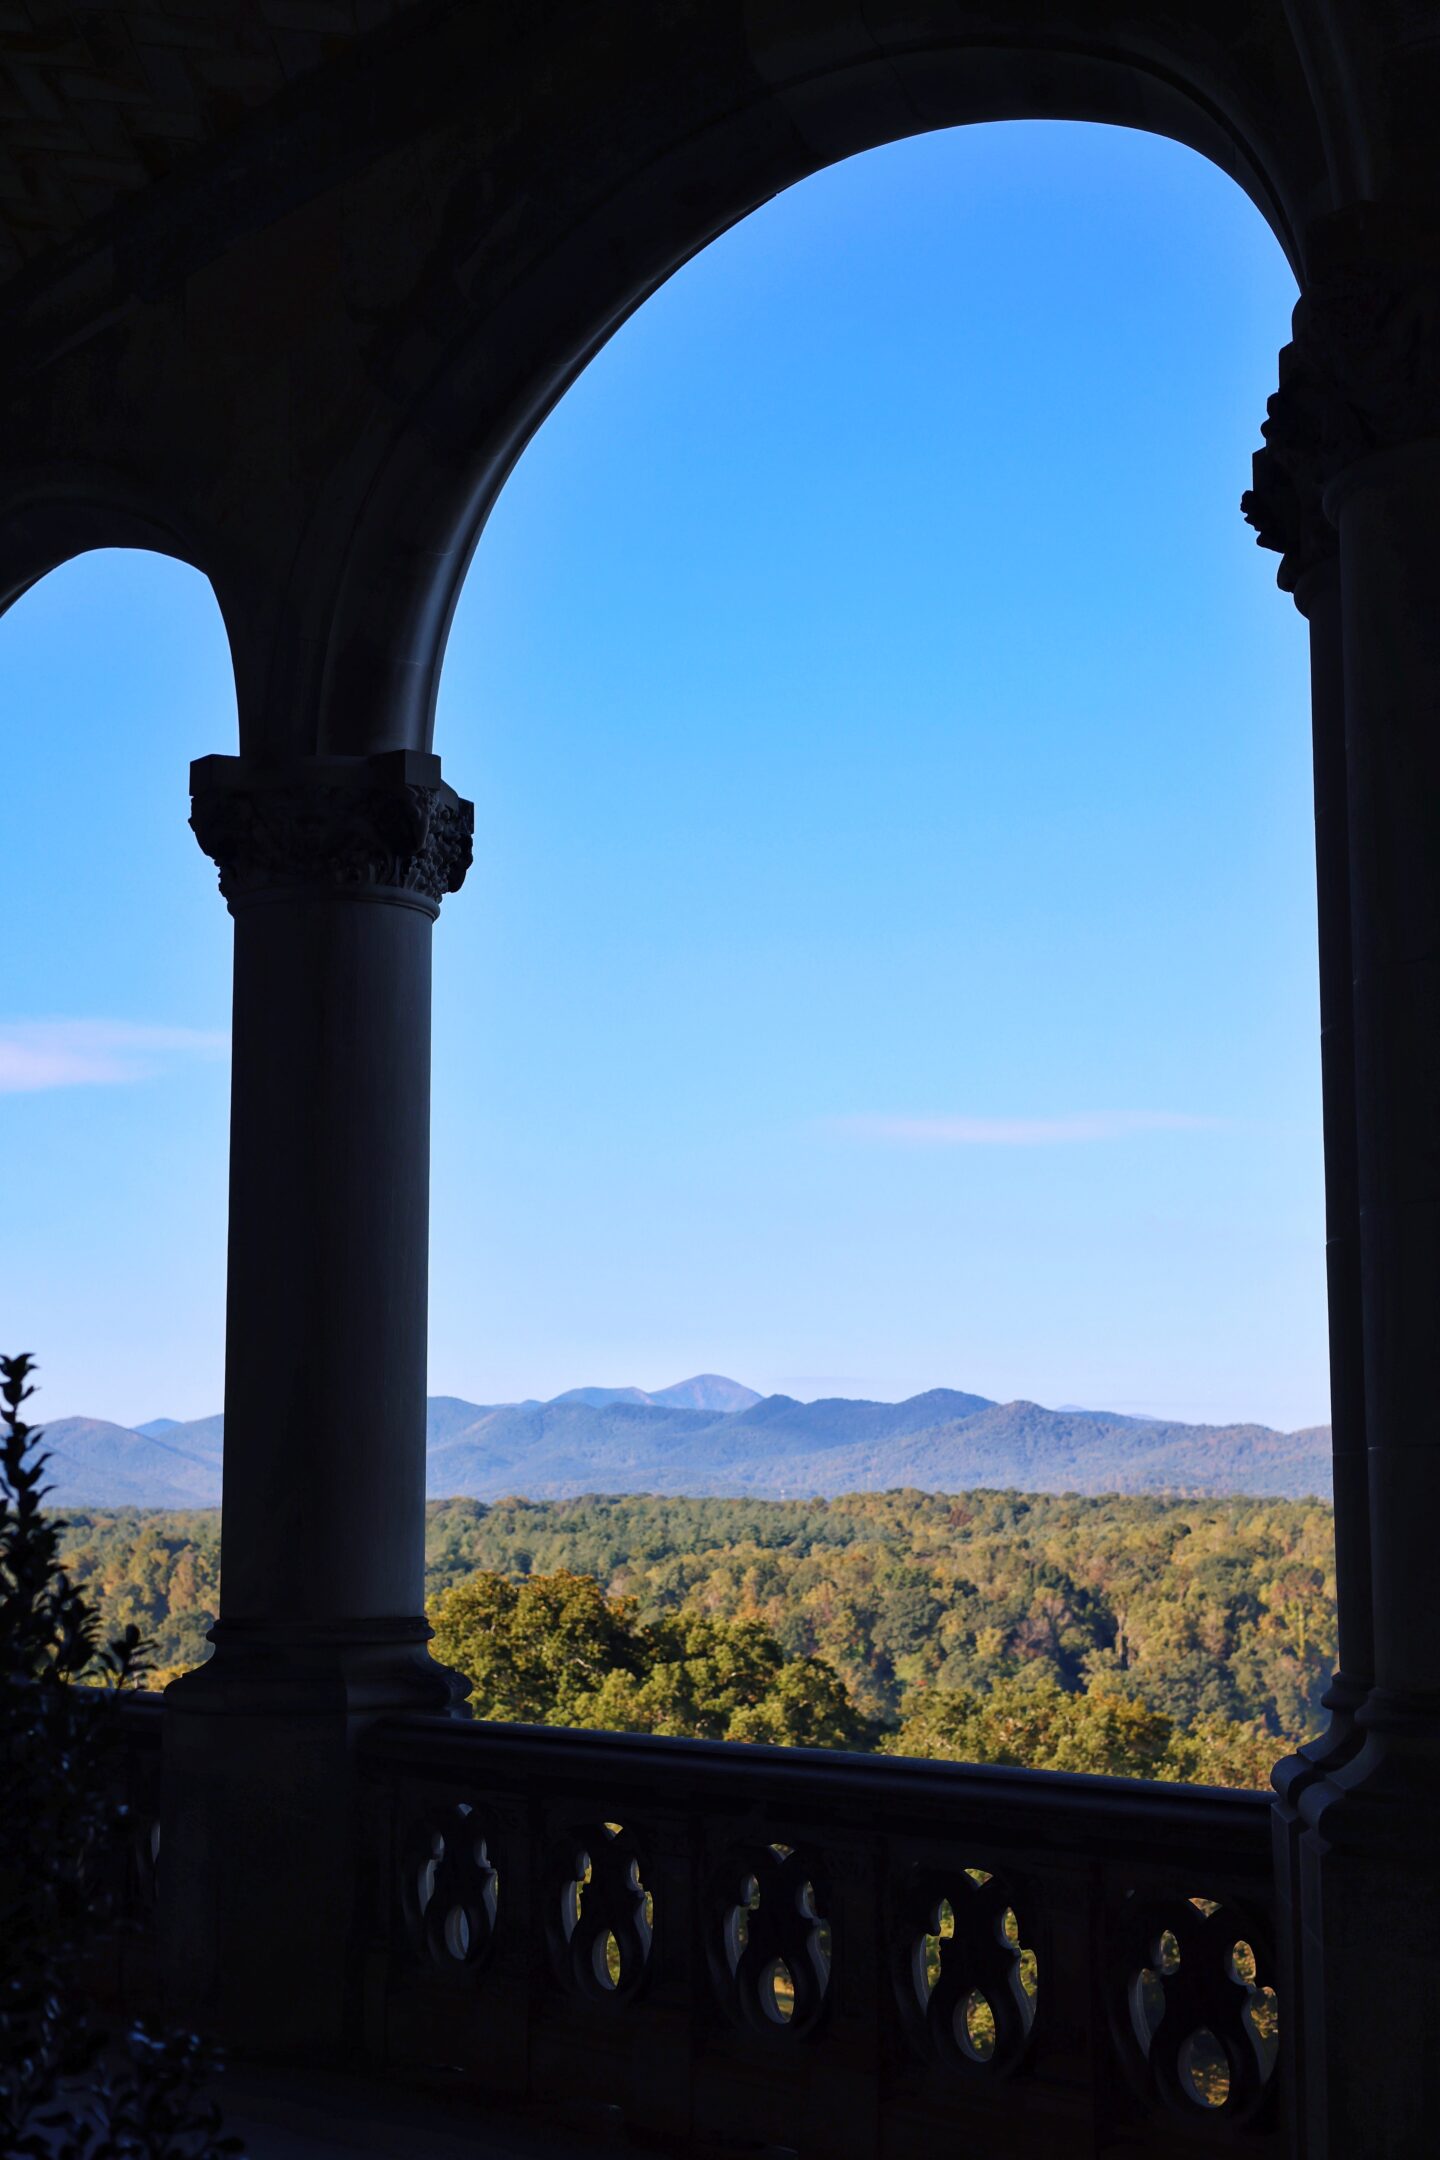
pixel 710 1435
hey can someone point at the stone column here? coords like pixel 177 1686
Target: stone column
pixel 1285 508
pixel 1369 328
pixel 333 869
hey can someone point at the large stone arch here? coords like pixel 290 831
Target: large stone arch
pixel 318 350
pixel 806 87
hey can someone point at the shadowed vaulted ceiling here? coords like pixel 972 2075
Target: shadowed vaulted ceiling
pixel 98 102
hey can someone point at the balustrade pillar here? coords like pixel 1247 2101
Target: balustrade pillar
pixel 333 870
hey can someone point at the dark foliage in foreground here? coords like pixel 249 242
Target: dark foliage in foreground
pixel 68 2089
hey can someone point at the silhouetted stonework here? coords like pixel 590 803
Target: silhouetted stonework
pixel 1284 505
pixel 285 287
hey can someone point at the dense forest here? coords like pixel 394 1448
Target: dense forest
pixel 1163 1638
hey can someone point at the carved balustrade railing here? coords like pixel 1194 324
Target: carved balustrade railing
pixel 838 1956
pixel 843 1957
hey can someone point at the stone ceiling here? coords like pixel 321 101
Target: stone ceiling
pixel 97 100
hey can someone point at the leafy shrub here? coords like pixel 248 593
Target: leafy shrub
pixel 68 2089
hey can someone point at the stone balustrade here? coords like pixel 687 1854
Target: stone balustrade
pixel 833 1955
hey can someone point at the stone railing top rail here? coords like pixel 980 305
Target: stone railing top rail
pixel 1062 1811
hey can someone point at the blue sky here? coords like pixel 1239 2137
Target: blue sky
pixel 889 960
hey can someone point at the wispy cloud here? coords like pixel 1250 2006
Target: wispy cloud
pixel 38 1054
pixel 1019 1131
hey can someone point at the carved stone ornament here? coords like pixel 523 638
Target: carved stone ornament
pixel 375 829
pixel 1284 504
pixel 1196 2006
pixel 451 1889
pixel 771 1950
pixel 602 1922
pixel 961 1971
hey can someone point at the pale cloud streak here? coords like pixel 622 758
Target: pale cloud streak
pixel 1074 1127
pixel 40 1054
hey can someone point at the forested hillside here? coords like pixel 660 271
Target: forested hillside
pixel 1156 1636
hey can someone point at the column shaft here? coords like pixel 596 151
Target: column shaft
pixel 329 1199
pixel 1389 518
pixel 1371 1878
pixel 1318 597
pixel 1320 600
pixel 1286 510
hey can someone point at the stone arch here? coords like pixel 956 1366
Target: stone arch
pixel 46 521
pixel 52 516
pixel 116 980
pixel 719 132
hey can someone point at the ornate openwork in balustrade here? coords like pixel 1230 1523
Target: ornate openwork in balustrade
pixel 840 1956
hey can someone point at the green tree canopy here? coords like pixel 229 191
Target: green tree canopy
pixel 555 1650
pixel 822 1622
pixel 1031 1722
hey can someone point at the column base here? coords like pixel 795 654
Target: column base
pixel 1293 1777
pixel 1367 1937
pixel 261 1919
pixel 365 1667
pixel 1321 1757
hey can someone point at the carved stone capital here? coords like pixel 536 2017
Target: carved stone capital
pixel 1285 503
pixel 1362 374
pixel 386 825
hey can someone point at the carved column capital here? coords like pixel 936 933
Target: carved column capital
pixel 1362 374
pixel 1285 502
pixel 386 826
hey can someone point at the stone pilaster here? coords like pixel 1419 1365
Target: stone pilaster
pixel 1367 1887
pixel 1285 506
